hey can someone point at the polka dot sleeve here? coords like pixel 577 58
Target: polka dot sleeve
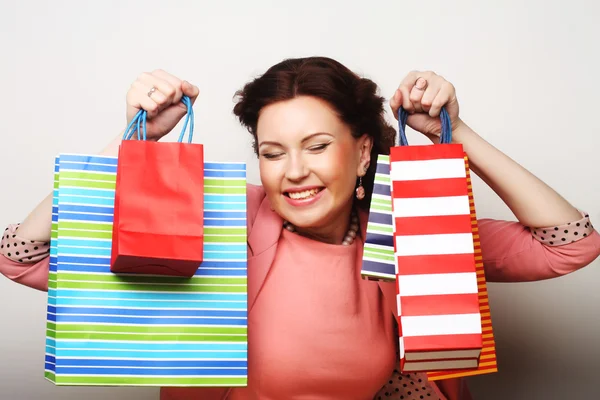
pixel 22 250
pixel 564 234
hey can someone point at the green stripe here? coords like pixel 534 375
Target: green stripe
pixel 383 180
pixel 148 381
pixel 368 254
pixel 225 182
pixel 86 184
pixel 84 234
pixel 52 285
pixel 380 228
pixel 226 239
pixel 227 190
pixel 389 251
pixel 149 337
pixel 87 226
pixel 149 329
pixel 384 202
pixel 88 175
pixel 381 207
pixel 134 287
pixel 64 276
pixel 224 231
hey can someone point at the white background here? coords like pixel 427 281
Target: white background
pixel 526 74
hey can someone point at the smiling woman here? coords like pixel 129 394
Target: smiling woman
pixel 316 329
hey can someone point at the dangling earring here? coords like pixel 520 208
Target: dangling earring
pixel 360 190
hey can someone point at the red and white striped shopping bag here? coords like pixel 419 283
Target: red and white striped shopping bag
pixel 438 303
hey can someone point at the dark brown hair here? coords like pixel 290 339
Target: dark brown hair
pixel 355 99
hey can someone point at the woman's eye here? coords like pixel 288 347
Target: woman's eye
pixel 319 147
pixel 271 156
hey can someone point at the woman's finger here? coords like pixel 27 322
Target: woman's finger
pixel 433 89
pixel 138 97
pixel 173 81
pixel 405 88
pixel 159 90
pixel 443 97
pixel 417 92
pixel 190 90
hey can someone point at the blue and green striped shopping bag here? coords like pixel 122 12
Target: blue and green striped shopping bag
pixel 137 330
pixel 378 254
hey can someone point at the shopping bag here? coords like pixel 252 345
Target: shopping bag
pixel 378 262
pixel 158 220
pixel 487 360
pixel 117 329
pixel 438 305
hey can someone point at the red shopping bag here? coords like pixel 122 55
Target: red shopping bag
pixel 158 223
pixel 438 303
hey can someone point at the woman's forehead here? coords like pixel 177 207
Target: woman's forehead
pixel 296 118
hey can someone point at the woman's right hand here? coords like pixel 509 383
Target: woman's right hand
pixel 163 104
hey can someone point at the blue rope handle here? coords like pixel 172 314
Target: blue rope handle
pixel 138 123
pixel 445 136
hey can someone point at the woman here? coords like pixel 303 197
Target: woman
pixel 317 330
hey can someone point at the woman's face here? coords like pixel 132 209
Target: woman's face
pixel 309 162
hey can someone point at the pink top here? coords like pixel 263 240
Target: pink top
pixel 317 330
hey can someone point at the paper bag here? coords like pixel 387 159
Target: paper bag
pixel 438 304
pixel 159 205
pixel 113 329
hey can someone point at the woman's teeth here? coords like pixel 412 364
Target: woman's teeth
pixel 303 195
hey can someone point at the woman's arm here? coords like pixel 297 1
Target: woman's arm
pixel 534 203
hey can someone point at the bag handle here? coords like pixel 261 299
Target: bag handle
pixel 138 123
pixel 445 136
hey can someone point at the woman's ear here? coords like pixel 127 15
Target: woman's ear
pixel 365 145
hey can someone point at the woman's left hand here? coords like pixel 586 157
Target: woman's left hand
pixel 423 94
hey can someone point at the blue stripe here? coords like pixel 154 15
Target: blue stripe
pixel 50 358
pixel 381 189
pixel 388 269
pixel 224 247
pixel 75 319
pixel 105 244
pixel 383 168
pixel 224 174
pixel 98 294
pixel 148 346
pixel 156 304
pixel 221 198
pixel 125 312
pixel 86 209
pixel 97 201
pixel 225 256
pixel 230 214
pixel 223 264
pixel 379 218
pixel 83 251
pixel 87 159
pixel 66 192
pixel 88 167
pixel 223 206
pixel 84 217
pixel 381 240
pixel 84 260
pixel 224 166
pixel 66 362
pixel 148 372
pixel 225 222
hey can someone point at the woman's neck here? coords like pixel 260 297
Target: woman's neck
pixel 335 230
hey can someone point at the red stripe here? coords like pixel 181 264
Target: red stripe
pixel 430 188
pixel 426 152
pixel 433 225
pixel 436 264
pixel 439 304
pixel 415 344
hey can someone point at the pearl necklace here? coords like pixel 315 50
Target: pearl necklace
pixel 350 234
